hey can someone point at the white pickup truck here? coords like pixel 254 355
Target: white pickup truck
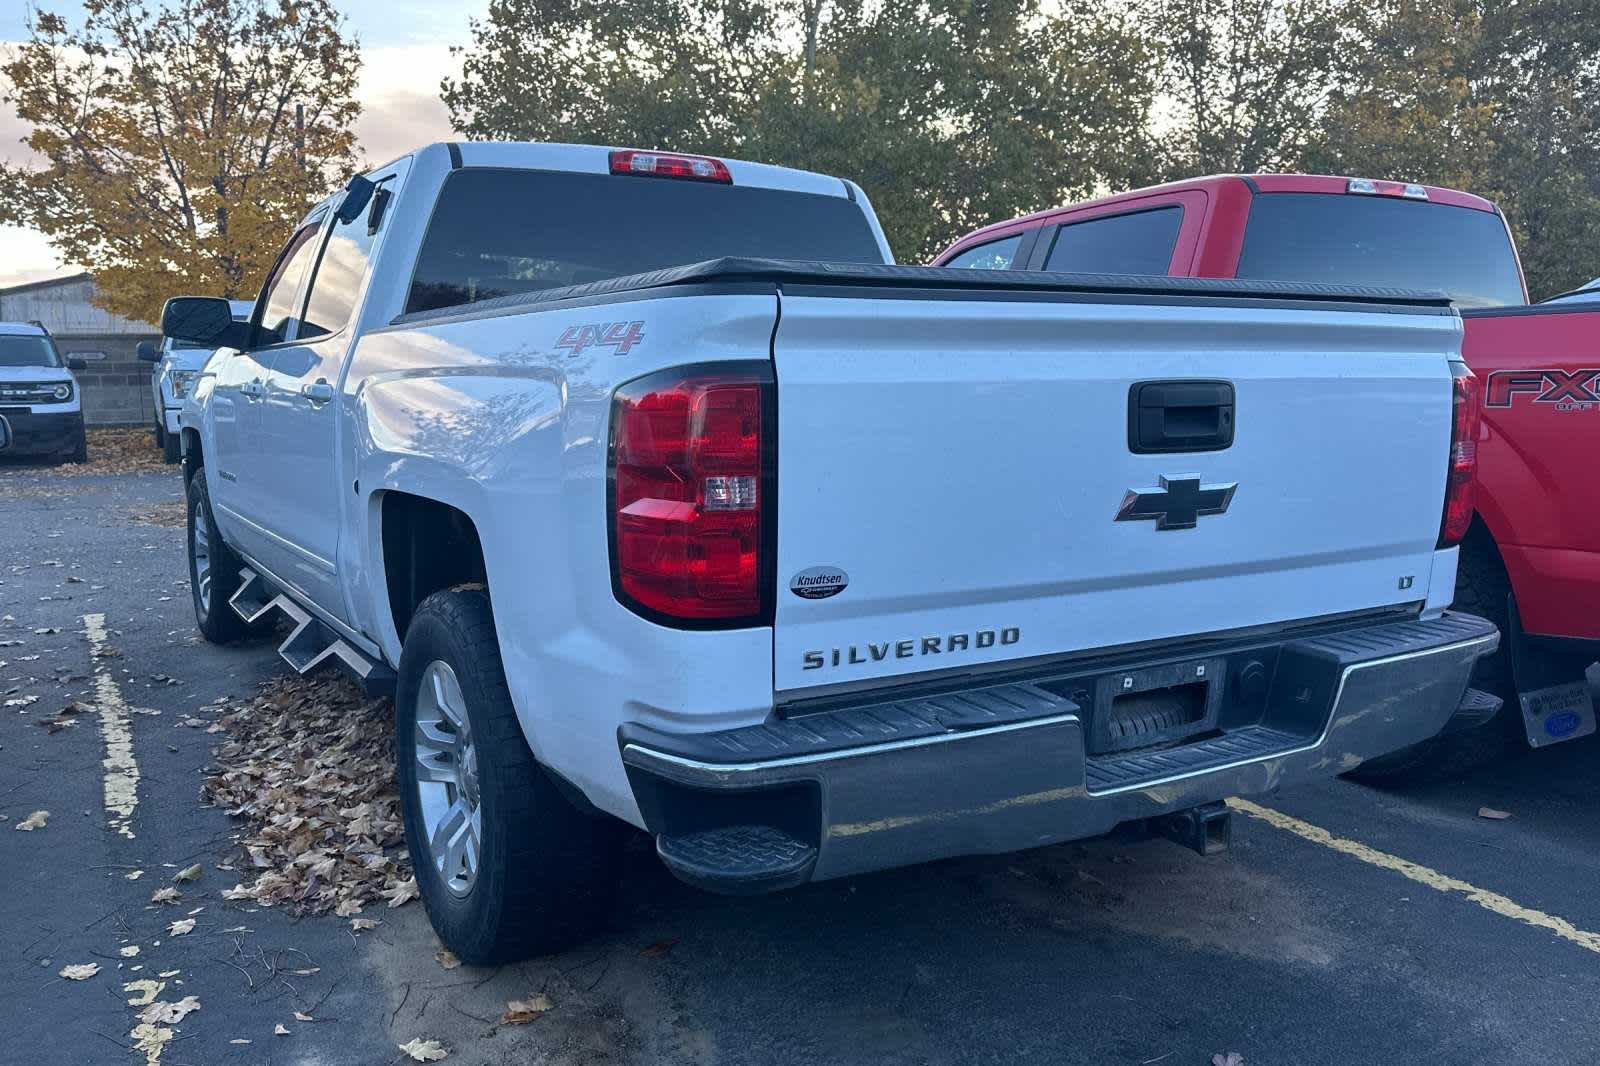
pixel 817 565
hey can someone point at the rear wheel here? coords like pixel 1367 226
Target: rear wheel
pixel 1483 589
pixel 506 865
pixel 213 570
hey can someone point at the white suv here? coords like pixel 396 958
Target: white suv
pixel 41 409
pixel 176 366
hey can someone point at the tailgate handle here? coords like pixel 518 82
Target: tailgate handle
pixel 1180 416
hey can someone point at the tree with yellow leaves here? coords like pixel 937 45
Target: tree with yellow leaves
pixel 179 143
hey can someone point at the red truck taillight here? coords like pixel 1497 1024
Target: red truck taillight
pixel 691 494
pixel 1463 469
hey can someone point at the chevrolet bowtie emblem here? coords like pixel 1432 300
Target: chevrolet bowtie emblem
pixel 1178 503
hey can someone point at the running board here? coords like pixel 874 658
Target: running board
pixel 312 644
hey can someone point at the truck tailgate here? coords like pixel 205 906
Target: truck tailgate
pixel 952 466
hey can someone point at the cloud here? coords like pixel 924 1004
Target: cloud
pixel 399 94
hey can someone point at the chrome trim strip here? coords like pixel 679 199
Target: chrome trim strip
pixel 841 754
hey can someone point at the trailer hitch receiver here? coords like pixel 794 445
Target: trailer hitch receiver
pixel 1206 830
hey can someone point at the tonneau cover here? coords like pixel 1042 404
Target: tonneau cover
pixel 933 280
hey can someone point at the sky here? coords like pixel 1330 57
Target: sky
pixel 405 50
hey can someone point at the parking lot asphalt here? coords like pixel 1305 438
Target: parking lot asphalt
pixel 1347 925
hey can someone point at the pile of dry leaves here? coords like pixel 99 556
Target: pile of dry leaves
pixel 112 450
pixel 309 766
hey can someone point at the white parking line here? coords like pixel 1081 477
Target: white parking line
pixel 1489 901
pixel 121 768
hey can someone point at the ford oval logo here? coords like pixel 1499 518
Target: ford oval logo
pixel 1563 725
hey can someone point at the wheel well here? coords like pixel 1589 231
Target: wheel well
pixel 427 546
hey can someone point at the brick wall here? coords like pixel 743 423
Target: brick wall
pixel 116 388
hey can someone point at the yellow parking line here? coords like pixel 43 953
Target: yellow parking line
pixel 1489 901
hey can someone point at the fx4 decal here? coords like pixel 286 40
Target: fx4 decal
pixel 1568 390
pixel 619 335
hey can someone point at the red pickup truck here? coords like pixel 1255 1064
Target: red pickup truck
pixel 1530 560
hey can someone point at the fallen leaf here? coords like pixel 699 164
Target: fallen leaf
pixel 403 892
pixel 134 875
pixel 150 1040
pixel 33 821
pixel 446 958
pixel 347 907
pixel 162 1013
pixel 238 1041
pixel 188 873
pixel 145 991
pixel 279 1030
pixel 303 1017
pixel 128 952
pixel 523 1011
pixel 424 1050
pixel 659 948
pixel 81 971
pixel 358 924
pixel 181 927
pixel 1232 1058
pixel 166 895
pixel 1492 814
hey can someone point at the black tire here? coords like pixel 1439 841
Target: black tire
pixel 217 621
pixel 547 872
pixel 161 435
pixel 78 454
pixel 171 448
pixel 1483 589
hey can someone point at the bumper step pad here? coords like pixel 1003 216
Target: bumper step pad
pixel 738 861
pixel 888 722
pixel 1476 709
pixel 1141 769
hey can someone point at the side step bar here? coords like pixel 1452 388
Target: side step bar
pixel 311 644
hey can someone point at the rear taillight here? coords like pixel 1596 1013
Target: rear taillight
pixel 1463 469
pixel 669 165
pixel 691 469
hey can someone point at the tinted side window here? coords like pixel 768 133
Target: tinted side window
pixel 338 276
pixel 280 299
pixel 1137 243
pixel 996 255
pixel 505 232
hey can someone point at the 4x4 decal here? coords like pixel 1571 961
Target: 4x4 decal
pixel 619 335
pixel 1568 390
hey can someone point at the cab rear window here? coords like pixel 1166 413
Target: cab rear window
pixel 505 232
pixel 1342 239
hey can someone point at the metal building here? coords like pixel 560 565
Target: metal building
pixel 116 387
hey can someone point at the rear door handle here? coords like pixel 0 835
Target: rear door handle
pixel 1180 416
pixel 318 392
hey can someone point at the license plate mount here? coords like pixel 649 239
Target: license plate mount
pixel 1558 713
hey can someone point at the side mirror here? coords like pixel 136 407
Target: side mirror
pixel 75 364
pixel 207 321
pixel 147 352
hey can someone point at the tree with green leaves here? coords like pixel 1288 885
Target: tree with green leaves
pixel 180 143
pixel 1496 97
pixel 950 113
pixel 1243 82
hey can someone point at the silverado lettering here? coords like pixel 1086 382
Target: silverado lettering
pixel 905 649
